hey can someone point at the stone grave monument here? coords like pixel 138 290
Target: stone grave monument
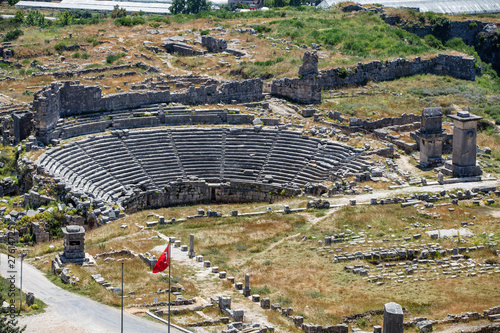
pixel 74 249
pixel 464 146
pixel 431 137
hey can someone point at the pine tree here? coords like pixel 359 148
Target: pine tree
pixel 178 7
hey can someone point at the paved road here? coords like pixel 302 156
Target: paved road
pixel 381 194
pixel 74 313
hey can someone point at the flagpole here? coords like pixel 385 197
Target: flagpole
pixel 169 290
pixel 122 302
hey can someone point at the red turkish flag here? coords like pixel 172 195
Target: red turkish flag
pixel 162 262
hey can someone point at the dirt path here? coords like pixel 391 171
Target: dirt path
pixel 210 287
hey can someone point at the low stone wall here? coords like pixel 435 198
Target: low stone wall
pixel 192 192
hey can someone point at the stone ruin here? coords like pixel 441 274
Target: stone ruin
pixel 74 249
pixel 70 98
pixel 215 45
pixel 464 146
pixel 309 65
pixel 307 88
pixel 431 136
pixel 166 167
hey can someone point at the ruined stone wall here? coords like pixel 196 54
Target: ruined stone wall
pixel 192 192
pixel 385 122
pixel 307 90
pixel 299 90
pixel 451 65
pixel 72 98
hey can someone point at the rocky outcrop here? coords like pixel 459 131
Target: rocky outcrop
pixel 482 35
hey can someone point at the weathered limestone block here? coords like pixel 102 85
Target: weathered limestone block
pixel 213 44
pixel 393 318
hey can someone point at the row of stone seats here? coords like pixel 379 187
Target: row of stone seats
pixel 78 170
pixel 200 153
pixel 246 152
pixel 112 166
pixel 154 109
pixel 290 154
pixel 155 152
pixel 113 155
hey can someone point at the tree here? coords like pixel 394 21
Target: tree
pixel 279 3
pixel 64 18
pixel 118 12
pixel 12 2
pixel 196 6
pixel 178 7
pixel 18 17
pixel 295 3
pixel 35 18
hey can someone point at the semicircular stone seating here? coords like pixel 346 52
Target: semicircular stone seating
pixel 112 167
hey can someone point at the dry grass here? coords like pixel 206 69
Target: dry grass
pixel 283 267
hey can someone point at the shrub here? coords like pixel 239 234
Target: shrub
pixel 18 17
pixel 76 55
pixel 124 21
pixel 35 306
pixel 118 12
pixel 35 18
pixel 261 28
pixel 113 57
pixel 93 41
pixel 433 42
pixel 342 73
pixel 12 35
pixel 204 32
pixel 138 20
pixel 159 18
pixel 60 47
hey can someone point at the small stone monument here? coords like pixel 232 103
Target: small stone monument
pixel 74 249
pixel 191 252
pixel 393 318
pixel 431 137
pixel 74 244
pixel 247 290
pixel 464 146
